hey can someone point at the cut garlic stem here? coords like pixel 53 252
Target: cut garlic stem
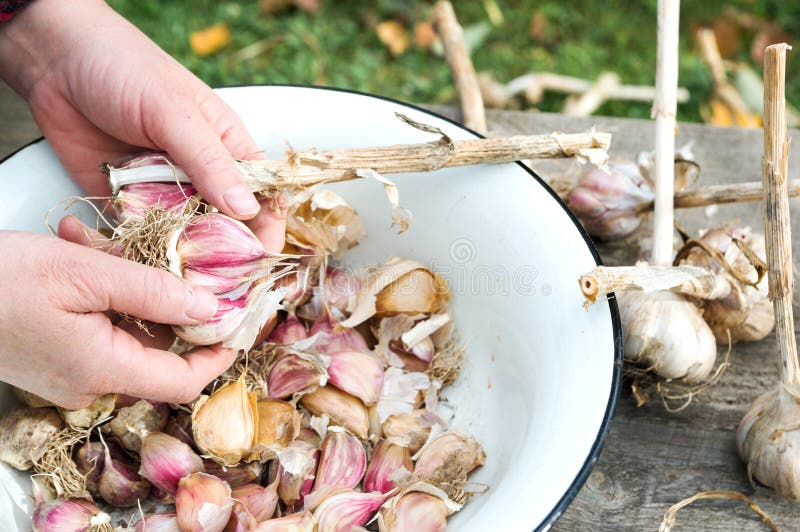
pixel 688 280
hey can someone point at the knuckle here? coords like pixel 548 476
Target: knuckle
pixel 76 285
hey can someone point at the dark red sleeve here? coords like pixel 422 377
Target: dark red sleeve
pixel 9 7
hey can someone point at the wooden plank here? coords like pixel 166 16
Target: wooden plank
pixel 651 459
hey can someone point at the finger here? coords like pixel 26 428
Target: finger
pixel 163 376
pixel 195 146
pixel 269 225
pixel 73 230
pixel 101 282
pixel 230 128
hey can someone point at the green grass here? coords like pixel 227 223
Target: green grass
pixel 337 46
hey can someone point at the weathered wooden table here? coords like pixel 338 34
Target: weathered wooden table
pixel 651 458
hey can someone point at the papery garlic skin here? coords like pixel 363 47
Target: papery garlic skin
pixel 241 519
pixel 605 202
pixel 359 374
pixel 278 424
pixel 225 424
pixel 449 451
pixel 71 515
pixel 385 460
pixel 203 503
pixel 410 429
pixel 342 408
pixel 167 522
pixel 768 440
pixel 259 500
pixel 166 460
pixel 342 462
pixel 130 420
pixel 235 476
pixel 664 332
pixel 295 484
pixel 27 432
pixel 299 522
pixel 346 509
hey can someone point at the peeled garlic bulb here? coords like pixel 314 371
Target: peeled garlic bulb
pixel 664 332
pixel 768 439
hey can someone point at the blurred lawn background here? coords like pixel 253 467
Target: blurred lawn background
pixel 335 43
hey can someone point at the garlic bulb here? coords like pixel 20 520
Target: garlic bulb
pixel 100 409
pixel 606 201
pixel 664 332
pixel 746 311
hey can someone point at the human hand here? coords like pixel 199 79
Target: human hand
pixel 100 89
pixel 60 343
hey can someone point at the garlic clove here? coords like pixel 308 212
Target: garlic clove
pixel 214 240
pixel 235 476
pixel 386 459
pixel 278 424
pixel 342 462
pixel 296 472
pixel 179 426
pixel 132 201
pixel 26 433
pixel 346 509
pixel 203 503
pixel 225 424
pixel 289 331
pixel 292 374
pixel 359 374
pixel 297 285
pixel 416 512
pixel 664 331
pixel 142 415
pixel 119 484
pixel 448 456
pixel 165 460
pixel 299 522
pixel 410 429
pixel 157 494
pixel 167 522
pixel 338 288
pixel 100 409
pixel 241 520
pixel 342 408
pixel 89 458
pixel 335 339
pixel 70 515
pixel 420 291
pixel 260 501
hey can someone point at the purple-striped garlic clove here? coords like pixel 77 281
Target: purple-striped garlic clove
pixel 166 460
pixel 346 509
pixel 132 201
pixel 119 484
pixel 420 507
pixel 450 451
pixel 203 503
pixel 235 476
pixel 339 288
pixel 342 462
pixel 299 522
pixel 260 501
pixel 357 373
pixel 293 374
pixel 167 522
pixel 386 459
pixel 289 331
pixel 342 408
pixel 410 429
pixel 142 415
pixel 332 340
pixel 214 240
pixel 70 515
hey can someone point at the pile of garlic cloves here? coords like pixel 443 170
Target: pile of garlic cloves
pixel 327 421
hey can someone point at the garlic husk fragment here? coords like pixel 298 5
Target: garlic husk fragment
pixel 225 424
pixel 768 440
pixel 166 460
pixel 320 220
pixel 299 522
pixel 26 434
pixel 142 415
pixel 342 408
pixel 135 199
pixel 665 333
pixel 278 425
pixel 235 476
pixel 203 503
pixel 259 500
pixel 296 472
pixel 746 311
pixel 400 392
pixel 167 522
pixel 400 286
pixel 606 201
pixel 447 457
pixel 296 373
pixel 385 460
pixel 119 484
pixel 346 509
pixel 100 409
pixel 357 373
pixel 241 519
pixel 410 429
pixel 420 507
pixel 70 515
pixel 342 462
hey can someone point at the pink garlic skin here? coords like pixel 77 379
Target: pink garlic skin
pixel 333 342
pixel 166 460
pixel 386 459
pixel 119 483
pixel 419 512
pixel 291 374
pixel 135 199
pixel 358 374
pixel 158 523
pixel 203 503
pixel 259 500
pixel 299 522
pixel 241 520
pixel 289 331
pixel 71 515
pixel 604 202
pixel 339 287
pixel 344 510
pixel 342 462
pixel 230 315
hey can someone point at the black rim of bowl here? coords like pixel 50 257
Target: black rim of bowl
pixel 597 447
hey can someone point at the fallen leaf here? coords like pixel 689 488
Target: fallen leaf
pixel 538 26
pixel 424 35
pixel 209 40
pixel 394 35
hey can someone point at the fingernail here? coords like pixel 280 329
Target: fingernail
pixel 241 201
pixel 202 304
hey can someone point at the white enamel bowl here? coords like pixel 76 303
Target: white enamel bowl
pixel 541 375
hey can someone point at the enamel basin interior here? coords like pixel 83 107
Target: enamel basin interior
pixel 539 381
